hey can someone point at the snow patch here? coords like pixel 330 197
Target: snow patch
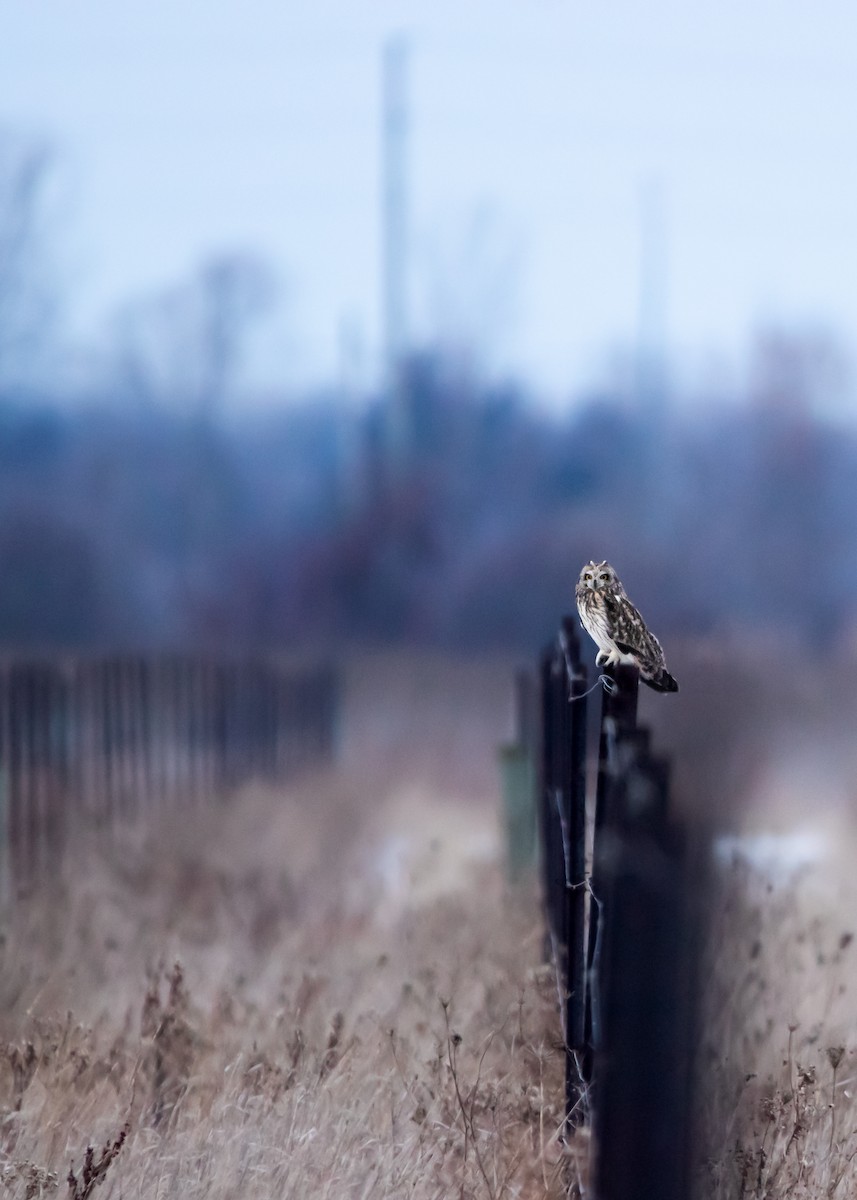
pixel 775 855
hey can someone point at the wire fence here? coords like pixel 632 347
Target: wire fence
pixel 109 742
pixel 623 899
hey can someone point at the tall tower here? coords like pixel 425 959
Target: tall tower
pixel 652 323
pixel 394 214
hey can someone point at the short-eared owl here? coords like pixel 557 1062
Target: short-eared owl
pixel 611 620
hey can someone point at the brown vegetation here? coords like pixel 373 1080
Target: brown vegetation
pixel 778 1061
pixel 323 990
pixel 328 990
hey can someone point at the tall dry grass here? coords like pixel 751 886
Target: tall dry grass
pixel 412 1063
pixel 778 1063
pixel 327 990
pixel 322 990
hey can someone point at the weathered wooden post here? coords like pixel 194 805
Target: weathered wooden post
pixel 6 883
pixel 562 813
pixel 219 729
pixel 81 752
pixel 268 724
pixel 17 815
pixel 643 1057
pixel 552 868
pixel 618 713
pixel 573 800
pixel 41 741
pixel 32 813
pixel 283 727
pixel 207 727
pixel 56 767
pixel 517 761
pixel 143 733
pixel 234 725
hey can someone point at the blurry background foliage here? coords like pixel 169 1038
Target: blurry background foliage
pixel 145 500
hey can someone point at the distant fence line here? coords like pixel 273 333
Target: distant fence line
pixel 111 741
pixel 623 897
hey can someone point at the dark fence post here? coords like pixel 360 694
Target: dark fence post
pixel 618 714
pixel 25 709
pixel 644 1054
pixel 6 889
pixel 553 872
pixel 572 796
pixel 562 812
pixel 55 767
pixel 625 949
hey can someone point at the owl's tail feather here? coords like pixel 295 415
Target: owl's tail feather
pixel 661 682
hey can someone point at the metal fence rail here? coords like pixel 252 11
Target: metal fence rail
pixel 108 742
pixel 623 935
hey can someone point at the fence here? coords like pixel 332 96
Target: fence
pixel 622 897
pixel 110 741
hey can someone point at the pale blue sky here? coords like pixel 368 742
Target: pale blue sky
pixel 187 126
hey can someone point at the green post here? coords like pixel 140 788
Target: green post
pixel 518 785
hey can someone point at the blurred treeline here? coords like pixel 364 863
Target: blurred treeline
pixel 144 501
pixel 458 514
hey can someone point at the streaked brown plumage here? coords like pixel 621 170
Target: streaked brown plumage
pixel 617 628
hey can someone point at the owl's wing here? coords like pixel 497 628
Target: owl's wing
pixel 630 633
pixel 625 647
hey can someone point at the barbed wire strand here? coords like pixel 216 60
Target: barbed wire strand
pixel 606 682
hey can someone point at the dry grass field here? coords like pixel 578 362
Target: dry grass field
pixel 327 989
pixel 778 1062
pixel 778 1056
pixel 324 990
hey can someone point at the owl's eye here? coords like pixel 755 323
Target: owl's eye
pixel 604 577
pixel 587 576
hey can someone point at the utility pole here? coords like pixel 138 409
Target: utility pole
pixel 395 222
pixel 651 330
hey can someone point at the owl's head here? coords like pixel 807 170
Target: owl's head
pixel 598 576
